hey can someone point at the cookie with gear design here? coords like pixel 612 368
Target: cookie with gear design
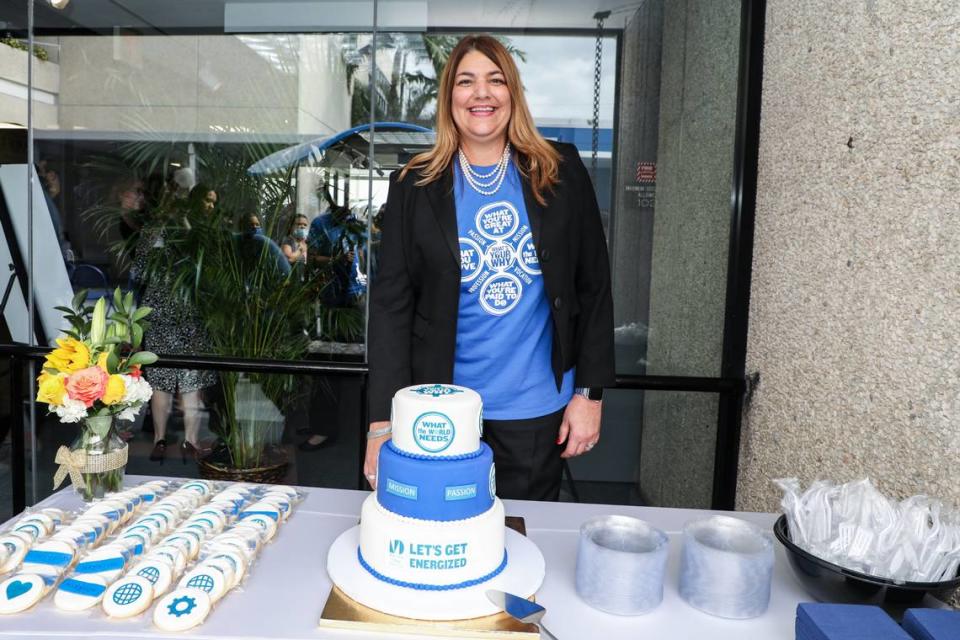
pixel 181 609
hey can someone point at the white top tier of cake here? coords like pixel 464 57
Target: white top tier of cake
pixel 437 420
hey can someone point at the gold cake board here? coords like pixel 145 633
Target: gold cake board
pixel 342 612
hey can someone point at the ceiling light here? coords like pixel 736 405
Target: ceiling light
pixel 59 4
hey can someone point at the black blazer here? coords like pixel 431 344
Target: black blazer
pixel 414 301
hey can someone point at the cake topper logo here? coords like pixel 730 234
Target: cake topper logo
pixel 493 482
pixel 436 390
pixel 433 432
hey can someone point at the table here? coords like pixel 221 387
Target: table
pixel 287 586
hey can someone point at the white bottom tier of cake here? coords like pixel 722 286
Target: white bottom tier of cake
pixel 431 552
pixel 522 576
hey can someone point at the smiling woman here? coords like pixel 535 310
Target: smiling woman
pixel 510 294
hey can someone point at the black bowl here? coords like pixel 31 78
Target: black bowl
pixel 828 582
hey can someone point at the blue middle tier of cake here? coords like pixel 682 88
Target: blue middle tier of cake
pixel 434 488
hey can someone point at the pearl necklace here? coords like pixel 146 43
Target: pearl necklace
pixel 476 179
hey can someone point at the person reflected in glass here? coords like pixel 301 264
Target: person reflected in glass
pixel 493 274
pixel 128 194
pixel 203 199
pixel 294 244
pixel 257 250
pixel 175 327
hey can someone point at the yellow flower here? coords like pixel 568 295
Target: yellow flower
pixel 71 355
pixel 102 361
pixel 116 388
pixel 52 389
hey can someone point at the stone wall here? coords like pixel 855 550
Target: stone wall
pixel 855 302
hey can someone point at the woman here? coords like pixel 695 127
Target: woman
pixel 294 245
pixel 494 275
pixel 175 327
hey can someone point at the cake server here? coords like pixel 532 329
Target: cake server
pixel 520 608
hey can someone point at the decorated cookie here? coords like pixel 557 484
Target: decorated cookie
pixel 127 597
pixel 279 502
pixel 105 562
pixel 73 537
pixel 57 515
pixel 207 579
pixel 16 548
pixel 187 539
pixel 158 572
pixel 174 556
pixel 45 522
pixel 98 522
pixel 112 510
pixel 200 486
pixel 33 529
pixel 162 521
pixel 236 561
pixel 49 558
pixel 266 524
pixel 150 529
pixel 224 566
pixel 138 542
pixel 289 492
pixel 219 514
pixel 20 592
pixel 234 544
pixel 263 507
pixel 181 610
pixel 80 593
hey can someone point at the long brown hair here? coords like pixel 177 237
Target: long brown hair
pixel 538 160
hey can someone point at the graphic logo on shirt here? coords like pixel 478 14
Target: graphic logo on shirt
pixel 499 294
pixel 497 220
pixel 471 259
pixel 433 432
pixel 498 258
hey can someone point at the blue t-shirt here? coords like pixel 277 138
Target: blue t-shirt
pixel 327 238
pixel 504 331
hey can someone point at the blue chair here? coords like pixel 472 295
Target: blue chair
pixel 91 278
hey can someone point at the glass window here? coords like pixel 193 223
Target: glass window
pixel 219 161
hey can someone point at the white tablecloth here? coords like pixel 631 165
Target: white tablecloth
pixel 285 591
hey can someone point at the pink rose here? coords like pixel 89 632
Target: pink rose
pixel 87 385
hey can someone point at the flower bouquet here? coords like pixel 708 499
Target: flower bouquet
pixel 92 378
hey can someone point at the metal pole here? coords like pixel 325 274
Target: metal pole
pixel 18 479
pixel 31 302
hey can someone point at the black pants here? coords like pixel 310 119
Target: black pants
pixel 527 456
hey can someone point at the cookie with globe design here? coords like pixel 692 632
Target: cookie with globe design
pixel 127 597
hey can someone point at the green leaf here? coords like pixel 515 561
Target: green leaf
pixel 141 313
pixel 64 310
pixel 113 361
pixel 113 340
pixel 128 300
pixel 141 358
pixel 118 300
pixel 78 299
pixel 137 335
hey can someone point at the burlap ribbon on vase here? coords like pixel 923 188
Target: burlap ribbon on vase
pixel 76 462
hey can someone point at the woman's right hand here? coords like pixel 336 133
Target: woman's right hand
pixel 373 453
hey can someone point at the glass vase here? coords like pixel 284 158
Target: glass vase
pixel 99 439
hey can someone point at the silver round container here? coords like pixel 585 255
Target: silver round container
pixel 620 565
pixel 726 567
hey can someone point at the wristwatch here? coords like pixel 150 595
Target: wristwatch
pixel 590 393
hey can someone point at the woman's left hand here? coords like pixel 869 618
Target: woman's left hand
pixel 580 427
